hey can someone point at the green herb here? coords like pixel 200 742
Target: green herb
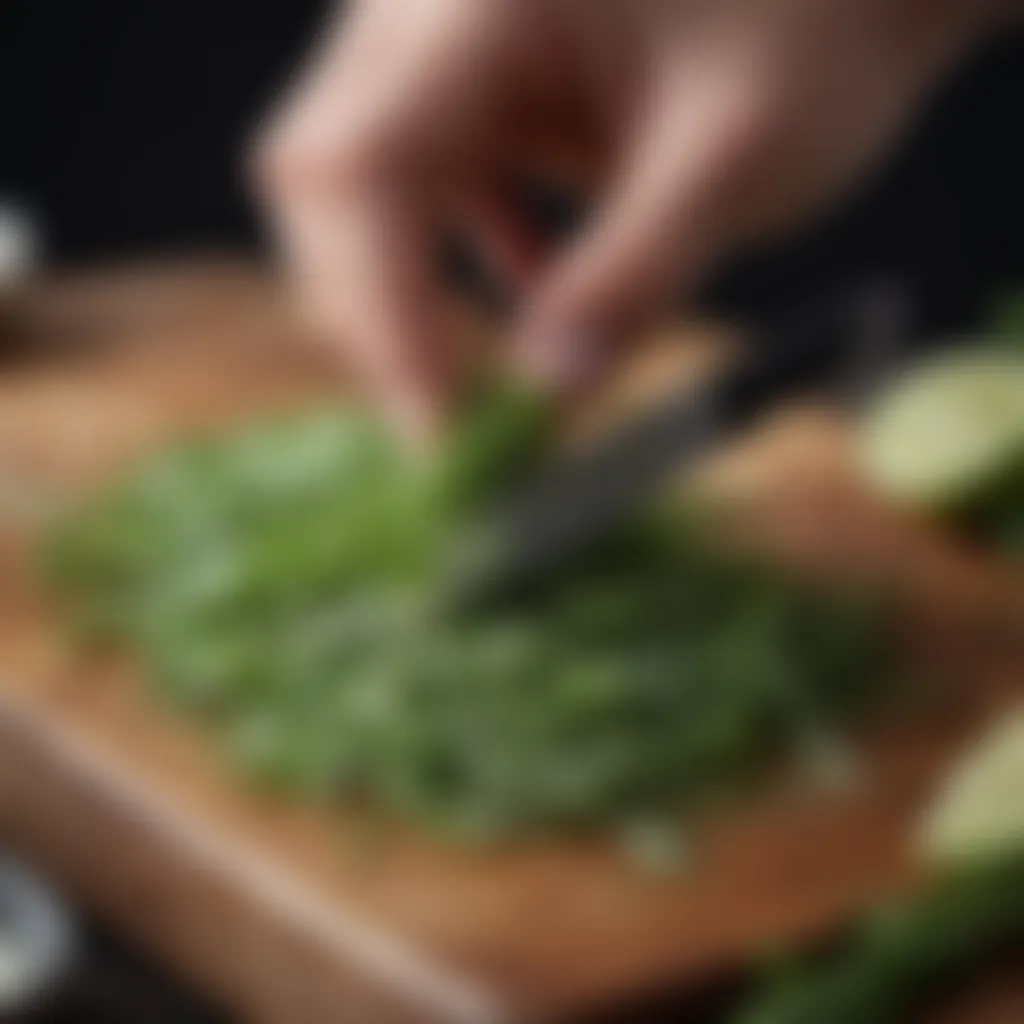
pixel 899 956
pixel 276 580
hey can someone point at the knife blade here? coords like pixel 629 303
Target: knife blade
pixel 567 510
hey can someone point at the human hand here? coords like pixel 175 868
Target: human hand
pixel 698 126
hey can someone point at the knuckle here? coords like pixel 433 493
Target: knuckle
pixel 305 156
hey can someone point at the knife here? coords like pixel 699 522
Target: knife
pixel 570 508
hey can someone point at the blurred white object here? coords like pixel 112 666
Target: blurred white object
pixel 19 249
pixel 19 243
pixel 15 971
pixel 980 812
pixel 37 940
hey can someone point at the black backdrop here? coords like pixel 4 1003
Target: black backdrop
pixel 123 121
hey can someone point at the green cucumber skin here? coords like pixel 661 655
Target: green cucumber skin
pixel 997 517
pixel 1000 514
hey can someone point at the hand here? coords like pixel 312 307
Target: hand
pixel 698 125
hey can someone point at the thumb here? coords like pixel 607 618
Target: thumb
pixel 666 220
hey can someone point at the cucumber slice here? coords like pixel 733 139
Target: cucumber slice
pixel 950 433
pixel 980 813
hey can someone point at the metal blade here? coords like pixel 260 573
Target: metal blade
pixel 567 511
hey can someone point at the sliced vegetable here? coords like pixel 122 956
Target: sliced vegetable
pixel 950 436
pixel 276 581
pixel 980 812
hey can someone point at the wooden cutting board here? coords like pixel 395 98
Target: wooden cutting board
pixel 287 913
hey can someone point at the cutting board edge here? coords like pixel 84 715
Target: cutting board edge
pixel 43 764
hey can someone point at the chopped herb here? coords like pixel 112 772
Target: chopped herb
pixel 274 580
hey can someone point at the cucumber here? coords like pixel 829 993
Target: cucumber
pixel 980 813
pixel 948 438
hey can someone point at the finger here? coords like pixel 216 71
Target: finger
pixel 666 219
pixel 349 173
pixel 363 275
pixel 403 90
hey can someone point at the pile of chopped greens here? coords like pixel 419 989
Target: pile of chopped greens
pixel 896 960
pixel 277 579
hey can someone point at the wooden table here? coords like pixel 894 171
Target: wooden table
pixel 282 912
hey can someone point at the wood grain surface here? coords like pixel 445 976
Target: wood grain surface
pixel 289 913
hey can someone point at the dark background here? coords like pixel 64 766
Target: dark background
pixel 127 118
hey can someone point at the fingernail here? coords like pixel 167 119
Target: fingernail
pixel 564 360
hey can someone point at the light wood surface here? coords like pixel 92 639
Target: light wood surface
pixel 286 913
